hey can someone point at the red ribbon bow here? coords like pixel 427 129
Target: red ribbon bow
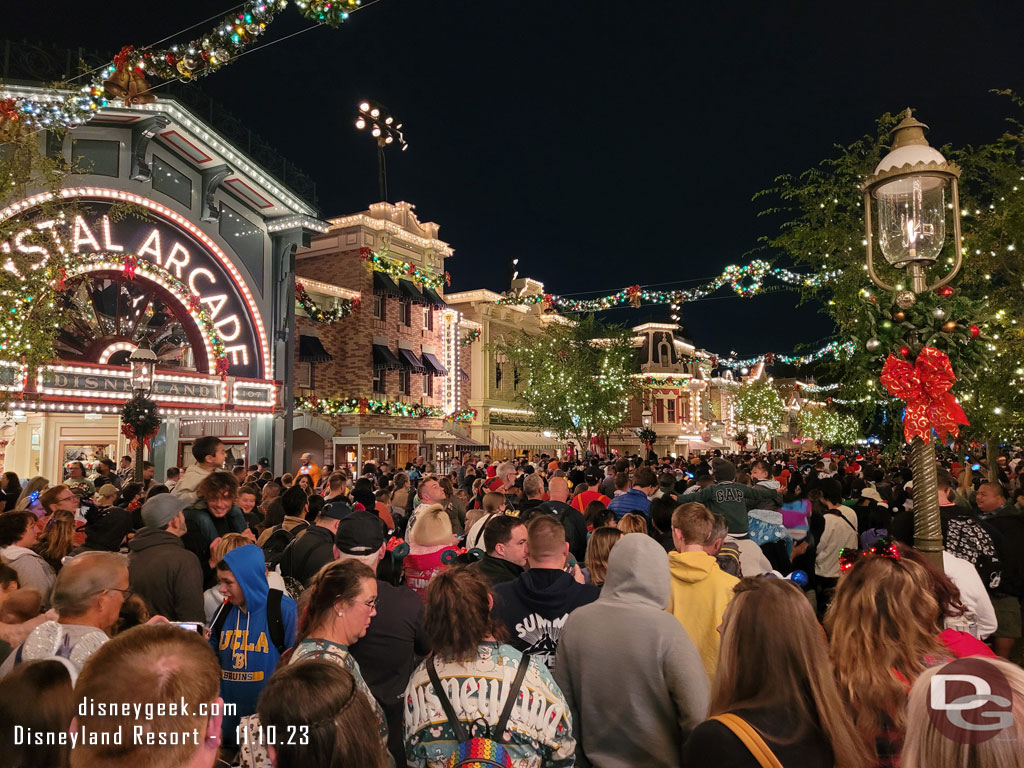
pixel 924 386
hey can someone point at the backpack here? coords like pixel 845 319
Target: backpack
pixel 275 620
pixel 278 541
pixel 484 751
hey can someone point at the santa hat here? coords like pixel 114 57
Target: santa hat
pixel 432 527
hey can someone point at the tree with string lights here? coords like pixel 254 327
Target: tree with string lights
pixel 577 377
pixel 759 407
pixel 829 427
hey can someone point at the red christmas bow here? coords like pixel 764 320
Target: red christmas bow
pixel 924 386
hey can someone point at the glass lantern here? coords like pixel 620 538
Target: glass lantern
pixel 143 363
pixel 911 219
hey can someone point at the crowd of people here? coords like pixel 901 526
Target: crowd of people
pixel 753 609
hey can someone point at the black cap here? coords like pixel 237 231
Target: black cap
pixel 264 462
pixel 336 510
pixel 361 533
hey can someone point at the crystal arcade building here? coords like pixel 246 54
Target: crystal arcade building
pixel 215 235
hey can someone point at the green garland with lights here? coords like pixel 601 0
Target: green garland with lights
pixel 381 262
pixel 342 307
pixel 472 335
pixel 139 419
pixel 327 406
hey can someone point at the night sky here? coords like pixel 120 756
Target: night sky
pixel 603 144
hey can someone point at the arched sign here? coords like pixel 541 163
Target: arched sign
pixel 182 249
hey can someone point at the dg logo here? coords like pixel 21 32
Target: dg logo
pixel 970 702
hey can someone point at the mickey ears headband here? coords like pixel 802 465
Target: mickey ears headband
pixel 884 547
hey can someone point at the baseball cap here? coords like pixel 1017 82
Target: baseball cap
pixel 336 510
pixel 161 509
pixel 306 456
pixel 361 533
pixel 107 490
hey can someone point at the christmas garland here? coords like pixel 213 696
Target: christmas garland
pixel 746 281
pixel 473 334
pixel 647 435
pixel 342 307
pixel 139 420
pixel 403 270
pixel 125 77
pixel 340 406
pixel 130 266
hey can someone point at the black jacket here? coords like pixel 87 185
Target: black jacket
pixel 574 524
pixel 535 606
pixel 496 570
pixel 308 554
pixel 1009 521
pixel 166 575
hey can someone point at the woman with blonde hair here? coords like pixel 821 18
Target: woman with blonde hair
pixel 882 630
pixel 774 680
pixel 928 746
pixel 29 498
pixel 57 539
pixel 598 548
pixel 633 523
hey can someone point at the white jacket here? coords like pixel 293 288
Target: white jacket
pixel 840 533
pixel 972 592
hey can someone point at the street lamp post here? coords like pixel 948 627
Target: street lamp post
pixel 143 364
pixel 386 131
pixel 909 190
pixel 646 418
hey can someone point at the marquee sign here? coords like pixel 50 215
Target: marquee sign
pixel 169 241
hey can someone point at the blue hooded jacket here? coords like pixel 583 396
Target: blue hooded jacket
pixel 246 653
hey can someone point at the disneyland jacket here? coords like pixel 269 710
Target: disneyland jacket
pixel 246 653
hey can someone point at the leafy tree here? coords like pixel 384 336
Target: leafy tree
pixel 760 408
pixel 829 427
pixel 578 376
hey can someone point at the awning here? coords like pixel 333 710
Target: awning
pixel 449 438
pixel 700 445
pixel 433 365
pixel 384 357
pixel 433 297
pixel 384 284
pixel 408 359
pixel 410 291
pixel 515 439
pixel 312 351
pixel 465 376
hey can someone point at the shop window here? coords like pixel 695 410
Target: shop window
pixel 379 381
pixel 428 318
pixel 403 381
pixel 100 158
pixel 246 239
pixel 379 308
pixel 171 182
pixel 304 375
pixel 685 411
pixel 670 411
pixel 405 312
pixel 428 385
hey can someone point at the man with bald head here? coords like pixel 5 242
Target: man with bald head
pixel 571 519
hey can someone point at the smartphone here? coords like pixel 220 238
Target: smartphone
pixel 975 467
pixel 191 626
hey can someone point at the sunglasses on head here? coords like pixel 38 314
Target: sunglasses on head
pixel 884 547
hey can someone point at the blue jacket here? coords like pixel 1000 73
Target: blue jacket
pixel 632 500
pixel 246 653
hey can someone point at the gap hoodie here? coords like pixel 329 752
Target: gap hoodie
pixel 246 653
pixel 700 592
pixel 633 680
pixel 535 606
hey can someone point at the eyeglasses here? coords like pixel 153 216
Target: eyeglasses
pixel 371 603
pixel 125 593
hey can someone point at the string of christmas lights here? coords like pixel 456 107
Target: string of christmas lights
pixel 125 77
pixel 340 406
pixel 746 281
pixel 381 262
pixel 834 348
pixel 471 335
pixel 342 307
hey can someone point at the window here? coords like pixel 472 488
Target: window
pixel 515 379
pixel 168 180
pixel 497 376
pixel 403 380
pixel 428 318
pixel 379 380
pixel 685 411
pixel 670 407
pixel 304 375
pixel 664 353
pixel 245 238
pixel 100 158
pixel 659 411
pixel 379 307
pixel 428 385
pixel 405 312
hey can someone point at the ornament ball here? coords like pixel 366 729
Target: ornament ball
pixel 938 313
pixel 905 351
pixel 975 331
pixel 899 317
pixel 872 344
pixel 905 299
pixel 945 291
pixel 949 327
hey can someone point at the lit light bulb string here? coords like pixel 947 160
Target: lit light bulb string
pixel 124 78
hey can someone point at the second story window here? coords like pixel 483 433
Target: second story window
pixel 428 385
pixel 670 409
pixel 403 381
pixel 379 381
pixel 428 319
pixel 379 308
pixel 515 379
pixel 405 312
pixel 497 376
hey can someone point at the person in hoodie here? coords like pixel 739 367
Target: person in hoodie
pixel 210 455
pixel 534 606
pixel 161 571
pixel 18 534
pixel 700 589
pixel 642 713
pixel 244 644
pixel 430 535
pixel 211 516
pixel 730 499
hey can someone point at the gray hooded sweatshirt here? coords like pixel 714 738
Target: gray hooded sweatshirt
pixel 633 680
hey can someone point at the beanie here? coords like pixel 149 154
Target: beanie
pixel 723 470
pixel 432 527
